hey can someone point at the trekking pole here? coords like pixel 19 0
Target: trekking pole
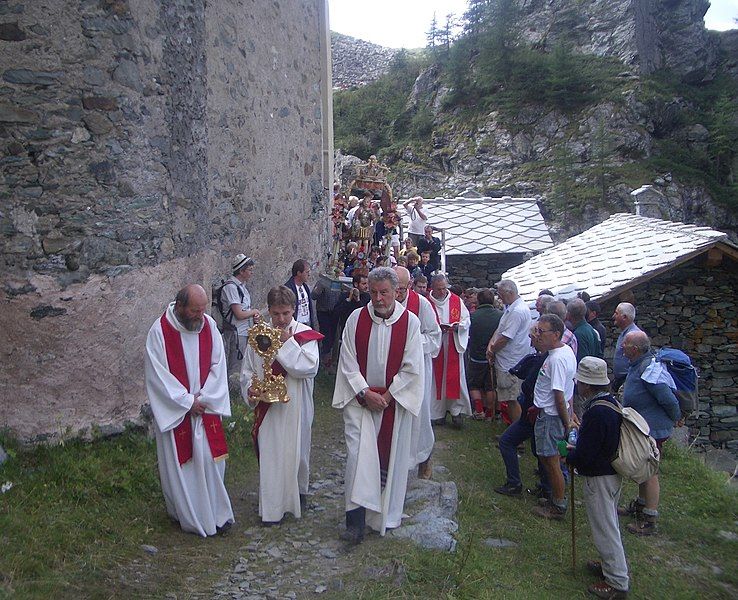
pixel 573 523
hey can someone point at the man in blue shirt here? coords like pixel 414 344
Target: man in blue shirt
pixel 658 405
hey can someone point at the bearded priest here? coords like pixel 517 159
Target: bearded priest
pixel 379 386
pixel 187 386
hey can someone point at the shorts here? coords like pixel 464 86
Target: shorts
pixel 508 386
pixel 548 431
pixel 479 376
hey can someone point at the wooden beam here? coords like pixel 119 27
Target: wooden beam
pixel 713 257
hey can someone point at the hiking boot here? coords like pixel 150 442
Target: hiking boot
pixel 634 509
pixel 509 489
pixel 595 568
pixel 478 416
pixel 602 589
pixel 352 535
pixel 645 525
pixel 438 422
pixel 271 523
pixel 425 470
pixel 550 512
pixel 538 492
pixel 457 422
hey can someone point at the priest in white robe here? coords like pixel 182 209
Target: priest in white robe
pixel 379 386
pixel 282 431
pixel 421 444
pixel 449 376
pixel 187 386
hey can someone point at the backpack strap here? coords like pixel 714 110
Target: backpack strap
pixel 229 313
pixel 616 406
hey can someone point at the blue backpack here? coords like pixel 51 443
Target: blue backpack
pixel 684 375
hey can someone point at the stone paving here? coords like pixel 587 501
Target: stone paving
pixel 303 558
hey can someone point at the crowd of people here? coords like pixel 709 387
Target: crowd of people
pixel 412 350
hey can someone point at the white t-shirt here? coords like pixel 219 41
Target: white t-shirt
pixel 557 373
pixel 303 306
pixel 231 296
pixel 515 326
pixel 417 224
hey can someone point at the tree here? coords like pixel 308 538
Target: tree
pixel 601 151
pixel 723 139
pixel 476 18
pixel 432 36
pixel 447 33
pixel 565 83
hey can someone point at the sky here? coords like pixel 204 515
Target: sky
pixel 403 23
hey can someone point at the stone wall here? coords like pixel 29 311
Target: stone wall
pixel 144 144
pixel 481 270
pixel 694 308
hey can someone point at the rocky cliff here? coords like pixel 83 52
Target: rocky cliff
pixel 644 34
pixel 584 163
pixel 356 62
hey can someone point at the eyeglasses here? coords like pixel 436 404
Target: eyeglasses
pixel 538 331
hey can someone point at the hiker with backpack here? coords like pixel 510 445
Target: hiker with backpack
pixel 234 304
pixel 597 443
pixel 658 405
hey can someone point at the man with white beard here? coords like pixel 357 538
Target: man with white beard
pixel 187 386
pixel 282 431
pixel 449 378
pixel 423 439
pixel 379 386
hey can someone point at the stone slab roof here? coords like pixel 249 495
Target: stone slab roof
pixel 609 258
pixel 488 225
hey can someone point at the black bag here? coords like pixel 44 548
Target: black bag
pixel 224 322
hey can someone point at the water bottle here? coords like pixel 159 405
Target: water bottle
pixel 572 439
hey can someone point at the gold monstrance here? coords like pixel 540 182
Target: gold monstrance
pixel 266 342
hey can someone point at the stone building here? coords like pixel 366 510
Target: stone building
pixel 484 237
pixel 144 144
pixel 682 281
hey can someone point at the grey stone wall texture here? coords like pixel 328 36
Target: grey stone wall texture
pixel 144 144
pixel 694 308
pixel 481 270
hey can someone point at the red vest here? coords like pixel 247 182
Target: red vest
pixel 453 369
pixel 178 368
pixel 398 339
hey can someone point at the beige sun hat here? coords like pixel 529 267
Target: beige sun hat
pixel 592 370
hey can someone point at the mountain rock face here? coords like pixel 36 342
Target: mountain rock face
pixel 356 62
pixel 540 151
pixel 644 34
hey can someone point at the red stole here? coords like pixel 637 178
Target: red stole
pixel 453 373
pixel 261 409
pixel 413 302
pixel 177 367
pixel 398 339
